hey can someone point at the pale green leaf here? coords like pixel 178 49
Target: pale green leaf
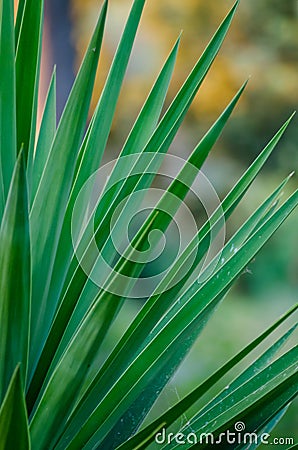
pixel 45 138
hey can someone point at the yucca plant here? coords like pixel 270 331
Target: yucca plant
pixel 63 280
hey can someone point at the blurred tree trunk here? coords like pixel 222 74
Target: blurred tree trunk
pixel 58 25
pixel 57 49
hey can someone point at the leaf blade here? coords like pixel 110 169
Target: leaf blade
pixel 45 138
pixel 15 291
pixel 55 186
pixel 27 73
pixel 7 96
pixel 14 429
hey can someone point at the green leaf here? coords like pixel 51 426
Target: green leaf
pixel 256 400
pixel 19 18
pixel 55 185
pixel 145 436
pixel 2 199
pixel 263 361
pixel 14 432
pixel 7 96
pixel 45 138
pixel 127 426
pixel 264 429
pixel 149 115
pixel 263 410
pixel 27 73
pixel 169 124
pixel 259 404
pixel 142 322
pixel 14 279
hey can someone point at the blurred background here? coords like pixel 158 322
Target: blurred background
pixel 262 45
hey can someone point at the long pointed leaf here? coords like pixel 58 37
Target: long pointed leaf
pixel 243 378
pixel 245 403
pixel 98 136
pixel 266 429
pixel 127 425
pixel 108 100
pixel 19 18
pixel 55 186
pixel 45 138
pixel 14 279
pixel 257 407
pixel 27 73
pixel 229 204
pixel 7 95
pixel 14 431
pixel 133 339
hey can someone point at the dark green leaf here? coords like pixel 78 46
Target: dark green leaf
pixel 256 400
pixel 160 217
pixel 14 279
pixel 14 432
pixel 194 304
pixel 266 429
